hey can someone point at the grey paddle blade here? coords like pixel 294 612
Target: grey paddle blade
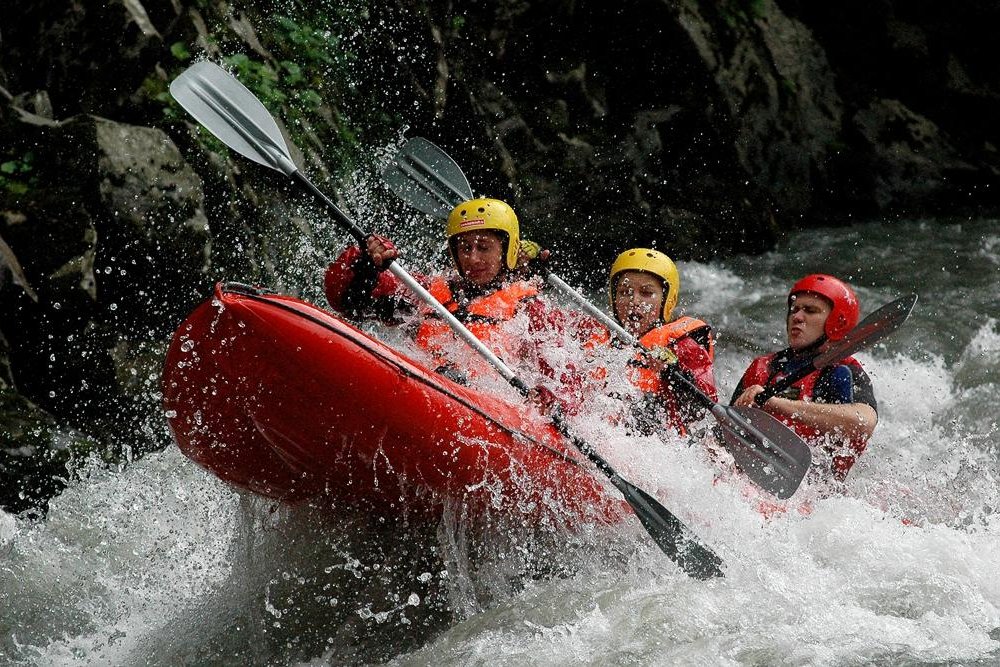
pixel 231 112
pixel 426 177
pixel 870 330
pixel 673 537
pixel 767 451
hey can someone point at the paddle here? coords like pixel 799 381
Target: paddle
pixel 870 330
pixel 234 115
pixel 770 453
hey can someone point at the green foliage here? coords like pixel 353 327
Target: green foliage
pixel 155 88
pixel 179 51
pixel 742 12
pixel 16 173
pixel 308 77
pixel 312 46
pixel 310 73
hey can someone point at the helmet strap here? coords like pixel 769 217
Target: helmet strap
pixel 808 350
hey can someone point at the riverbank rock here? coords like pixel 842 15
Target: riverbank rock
pixel 110 237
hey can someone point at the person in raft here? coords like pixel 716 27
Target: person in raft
pixel 492 286
pixel 833 409
pixel 643 287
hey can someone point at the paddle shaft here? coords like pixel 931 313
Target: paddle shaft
pixel 725 417
pixel 230 111
pixel 670 534
pixel 420 171
pixel 786 382
pixel 772 455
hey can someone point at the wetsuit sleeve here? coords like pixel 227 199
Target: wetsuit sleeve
pixel 356 288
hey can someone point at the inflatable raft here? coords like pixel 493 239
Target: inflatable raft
pixel 282 398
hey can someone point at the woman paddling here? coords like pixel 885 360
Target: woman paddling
pixel 833 409
pixel 643 287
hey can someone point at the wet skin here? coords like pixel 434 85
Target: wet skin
pixel 807 315
pixel 638 301
pixel 479 256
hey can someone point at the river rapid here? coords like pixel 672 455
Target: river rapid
pixel 160 563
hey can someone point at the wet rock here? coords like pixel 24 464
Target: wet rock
pixel 36 452
pixel 111 236
pixel 689 127
pixel 913 164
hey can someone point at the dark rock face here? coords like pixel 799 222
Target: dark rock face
pixel 112 239
pixel 908 156
pixel 698 128
pixel 621 125
pixel 921 98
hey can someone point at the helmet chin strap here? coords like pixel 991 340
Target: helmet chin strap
pixel 811 347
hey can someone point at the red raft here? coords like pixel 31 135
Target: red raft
pixel 275 395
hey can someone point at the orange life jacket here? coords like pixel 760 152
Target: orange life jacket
pixel 663 338
pixel 482 316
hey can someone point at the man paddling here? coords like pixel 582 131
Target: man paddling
pixel 833 409
pixel 490 289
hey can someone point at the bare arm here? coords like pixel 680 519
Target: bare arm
pixel 851 419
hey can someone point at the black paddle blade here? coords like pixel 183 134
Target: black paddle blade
pixel 870 330
pixel 672 536
pixel 772 455
pixel 231 112
pixel 426 178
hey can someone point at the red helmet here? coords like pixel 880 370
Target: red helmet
pixel 844 315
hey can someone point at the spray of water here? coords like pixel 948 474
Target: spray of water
pixel 162 563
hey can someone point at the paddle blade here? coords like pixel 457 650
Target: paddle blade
pixel 672 536
pixel 231 112
pixel 426 177
pixel 870 330
pixel 772 455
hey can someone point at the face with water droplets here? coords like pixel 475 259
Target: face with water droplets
pixel 638 301
pixel 479 256
pixel 807 313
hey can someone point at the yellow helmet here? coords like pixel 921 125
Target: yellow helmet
pixel 650 261
pixel 484 213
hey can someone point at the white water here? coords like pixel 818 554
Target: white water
pixel 161 564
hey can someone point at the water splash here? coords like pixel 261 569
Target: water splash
pixel 161 563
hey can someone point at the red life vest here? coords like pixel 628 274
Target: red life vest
pixel 482 316
pixel 760 373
